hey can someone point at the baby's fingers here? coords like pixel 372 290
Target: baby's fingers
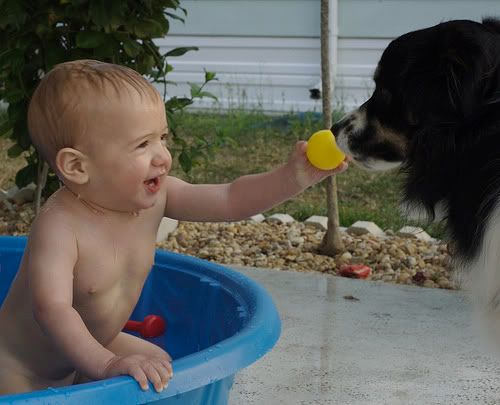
pixel 341 167
pixel 168 366
pixel 164 369
pixel 139 375
pixel 154 372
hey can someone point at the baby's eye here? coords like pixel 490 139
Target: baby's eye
pixel 143 144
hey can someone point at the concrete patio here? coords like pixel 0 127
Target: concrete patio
pixel 347 341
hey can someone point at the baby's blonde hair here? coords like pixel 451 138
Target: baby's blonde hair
pixel 58 111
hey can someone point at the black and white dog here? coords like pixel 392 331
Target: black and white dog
pixel 435 112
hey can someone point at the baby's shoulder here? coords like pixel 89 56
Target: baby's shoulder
pixel 54 218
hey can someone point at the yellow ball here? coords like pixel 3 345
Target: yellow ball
pixel 323 152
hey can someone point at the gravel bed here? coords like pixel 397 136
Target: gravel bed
pixel 393 259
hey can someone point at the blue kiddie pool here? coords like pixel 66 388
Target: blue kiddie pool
pixel 218 322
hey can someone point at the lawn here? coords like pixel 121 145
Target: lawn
pixel 262 142
pixel 256 142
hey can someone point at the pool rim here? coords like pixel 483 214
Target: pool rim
pixel 193 371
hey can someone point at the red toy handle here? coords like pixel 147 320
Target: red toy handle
pixel 151 326
pixel 133 326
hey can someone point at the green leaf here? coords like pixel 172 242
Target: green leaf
pixel 13 59
pixel 54 54
pixel 195 90
pixel 107 50
pixel 209 76
pixel 14 151
pixel 16 111
pixel 176 103
pixel 5 127
pixel 98 12
pixel 89 39
pixel 207 94
pixel 185 161
pixel 175 17
pixel 13 95
pixel 181 51
pixel 131 48
pixel 22 134
pixel 149 28
pixel 26 175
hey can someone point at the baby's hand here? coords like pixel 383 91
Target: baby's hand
pixel 141 368
pixel 305 173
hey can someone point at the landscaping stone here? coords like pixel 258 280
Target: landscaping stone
pixel 364 227
pixel 257 218
pixel 24 195
pixel 318 222
pixel 280 218
pixel 167 226
pixel 19 196
pixel 414 232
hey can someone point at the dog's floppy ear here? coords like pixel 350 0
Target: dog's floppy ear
pixel 438 73
pixel 459 66
pixel 454 69
pixel 470 63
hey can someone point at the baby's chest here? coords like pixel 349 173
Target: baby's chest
pixel 109 268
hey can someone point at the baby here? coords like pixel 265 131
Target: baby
pixel 102 129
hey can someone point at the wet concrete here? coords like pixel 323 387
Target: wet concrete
pixel 356 342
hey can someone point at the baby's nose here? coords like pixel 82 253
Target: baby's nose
pixel 162 157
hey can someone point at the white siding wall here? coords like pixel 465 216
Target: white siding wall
pixel 274 74
pixel 266 53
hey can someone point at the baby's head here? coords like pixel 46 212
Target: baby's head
pixel 66 100
pixel 101 127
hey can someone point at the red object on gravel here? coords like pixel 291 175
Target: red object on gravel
pixel 151 326
pixel 355 271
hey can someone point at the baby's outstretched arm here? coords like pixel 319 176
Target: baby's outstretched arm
pixel 52 255
pixel 247 195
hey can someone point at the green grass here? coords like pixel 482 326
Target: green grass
pixel 262 142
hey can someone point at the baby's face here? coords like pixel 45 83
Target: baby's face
pixel 128 157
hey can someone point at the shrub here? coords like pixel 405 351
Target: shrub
pixel 36 35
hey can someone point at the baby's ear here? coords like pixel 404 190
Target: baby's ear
pixel 72 165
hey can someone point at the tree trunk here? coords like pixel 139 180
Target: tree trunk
pixel 332 242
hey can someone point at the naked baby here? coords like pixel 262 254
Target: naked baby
pixel 102 128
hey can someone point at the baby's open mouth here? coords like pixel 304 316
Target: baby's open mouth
pixel 153 185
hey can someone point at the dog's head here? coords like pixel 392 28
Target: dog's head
pixel 429 85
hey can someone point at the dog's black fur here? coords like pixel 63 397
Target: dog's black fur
pixel 435 112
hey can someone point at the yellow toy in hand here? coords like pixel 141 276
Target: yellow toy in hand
pixel 322 150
